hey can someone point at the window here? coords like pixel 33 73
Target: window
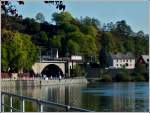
pixel 117 65
pixel 130 60
pixel 127 64
pixel 117 60
pixel 123 60
pixel 147 60
pixel 127 60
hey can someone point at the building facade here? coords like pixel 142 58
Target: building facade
pixel 119 60
pixel 144 59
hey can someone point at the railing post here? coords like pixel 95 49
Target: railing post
pixel 67 108
pixel 22 105
pixel 41 107
pixel 2 103
pixel 11 104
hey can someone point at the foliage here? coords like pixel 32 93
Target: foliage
pixel 84 32
pixel 139 78
pixel 32 27
pixel 63 17
pixel 106 78
pixel 18 52
pixel 140 73
pixel 103 58
pixel 123 76
pixel 77 71
pixel 73 47
pixel 140 68
pixel 79 37
pixel 55 42
pixel 9 7
pixel 40 38
pixel 71 36
pixel 40 17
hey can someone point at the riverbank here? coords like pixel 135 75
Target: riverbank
pixel 32 83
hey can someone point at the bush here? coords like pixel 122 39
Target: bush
pixel 77 71
pixel 140 73
pixel 122 77
pixel 139 78
pixel 140 68
pixel 106 78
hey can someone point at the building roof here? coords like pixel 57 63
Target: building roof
pixel 122 56
pixel 145 57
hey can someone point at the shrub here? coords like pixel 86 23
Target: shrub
pixel 122 77
pixel 106 78
pixel 140 68
pixel 140 78
pixel 77 71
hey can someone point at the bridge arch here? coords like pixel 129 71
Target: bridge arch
pixel 41 67
pixel 52 70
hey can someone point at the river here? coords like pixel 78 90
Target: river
pixel 100 97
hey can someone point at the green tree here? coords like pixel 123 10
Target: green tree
pixel 129 45
pixel 41 38
pixel 62 17
pixel 103 58
pixel 122 28
pixel 18 52
pixel 40 17
pixel 4 55
pixel 73 47
pixel 55 42
pixel 31 26
pixel 77 71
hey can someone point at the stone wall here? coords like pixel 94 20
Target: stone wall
pixel 32 83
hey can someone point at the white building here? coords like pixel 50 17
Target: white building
pixel 75 59
pixel 120 60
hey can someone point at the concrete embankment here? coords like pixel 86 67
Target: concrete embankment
pixel 25 83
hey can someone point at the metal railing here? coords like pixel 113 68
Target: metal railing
pixel 40 104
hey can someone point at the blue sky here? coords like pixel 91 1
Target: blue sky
pixel 135 13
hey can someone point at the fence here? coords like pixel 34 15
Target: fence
pixel 40 104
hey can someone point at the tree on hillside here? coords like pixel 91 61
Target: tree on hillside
pixel 129 45
pixel 122 28
pixel 63 17
pixel 31 26
pixel 73 47
pixel 40 38
pixel 55 42
pixel 103 58
pixel 40 17
pixel 18 52
pixel 76 33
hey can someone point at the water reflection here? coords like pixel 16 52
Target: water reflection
pixel 97 97
pixel 117 97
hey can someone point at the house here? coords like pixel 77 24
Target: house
pixel 120 60
pixel 144 59
pixel 75 59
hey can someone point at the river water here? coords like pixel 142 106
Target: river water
pixel 100 97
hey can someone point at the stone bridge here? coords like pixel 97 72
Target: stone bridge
pixel 51 68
